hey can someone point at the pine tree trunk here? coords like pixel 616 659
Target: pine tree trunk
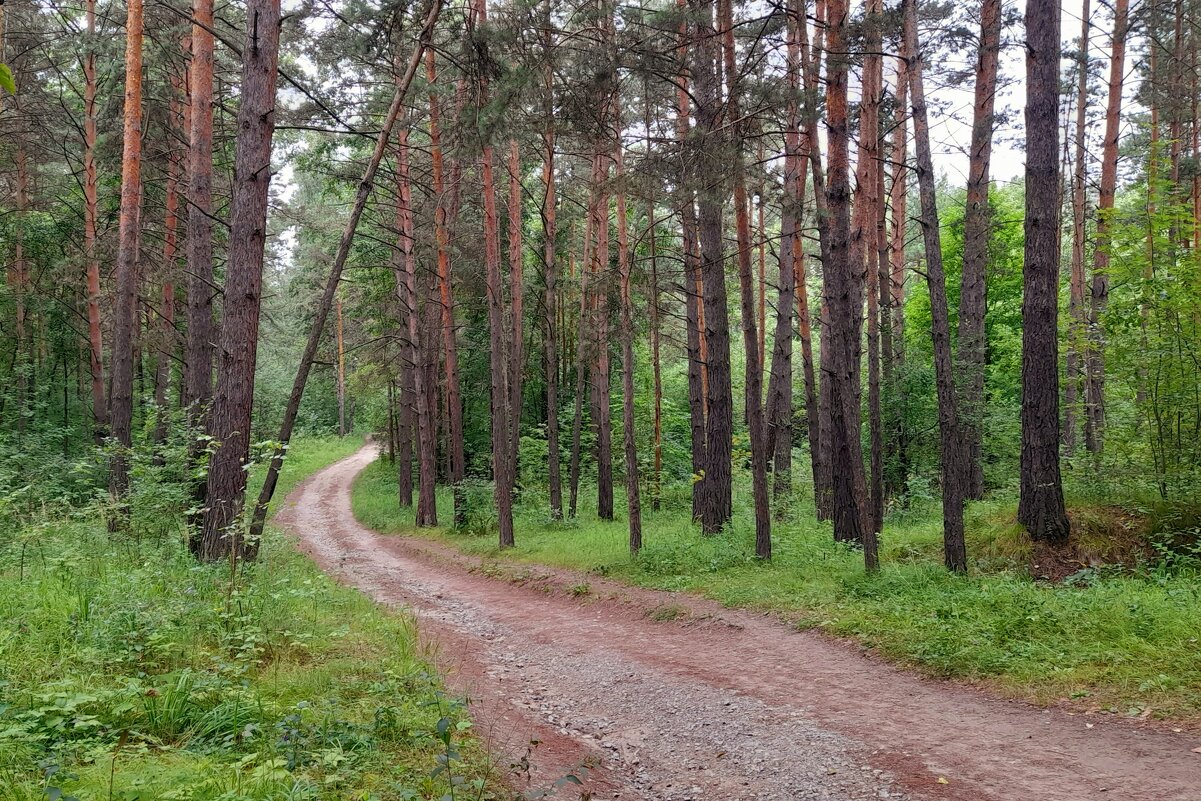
pixel 1041 507
pixel 973 293
pixel 863 258
pixel 90 217
pixel 601 414
pixel 292 409
pixel 198 356
pixel 629 434
pixel 844 296
pixel 711 162
pixel 954 467
pixel 229 423
pixel 1099 294
pixel 896 445
pixel 125 316
pixel 166 314
pixel 552 306
pixel 516 300
pixel 760 447
pixel 416 352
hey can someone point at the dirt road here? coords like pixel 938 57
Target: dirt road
pixel 715 703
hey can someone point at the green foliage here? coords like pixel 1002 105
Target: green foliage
pixel 123 661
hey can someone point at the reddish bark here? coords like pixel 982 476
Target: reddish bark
pixel 125 316
pixel 198 349
pixel 90 217
pixel 516 298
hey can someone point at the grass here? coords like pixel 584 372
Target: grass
pixel 127 671
pixel 1119 641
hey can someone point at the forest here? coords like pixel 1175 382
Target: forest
pixel 324 321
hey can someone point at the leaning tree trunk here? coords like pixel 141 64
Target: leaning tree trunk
pixel 1040 506
pixel 125 316
pixel 229 424
pixel 335 275
pixel 951 442
pixel 1095 372
pixel 973 288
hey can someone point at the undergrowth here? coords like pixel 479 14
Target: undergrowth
pixel 128 671
pixel 1118 640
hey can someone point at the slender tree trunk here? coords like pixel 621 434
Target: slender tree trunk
pixel 90 217
pixel 601 415
pixel 581 350
pixel 693 286
pixel 166 337
pixel 516 299
pixel 292 409
pixel 198 356
pixel 1095 378
pixel 416 352
pixel 897 443
pixel 125 316
pixel 845 300
pixel 552 306
pixel 1077 312
pixel 450 352
pixel 711 162
pixel 973 293
pixel 502 465
pixel 653 315
pixel 229 424
pixel 629 434
pixel 864 255
pixel 760 447
pixel 1041 507
pixel 341 367
pixel 954 467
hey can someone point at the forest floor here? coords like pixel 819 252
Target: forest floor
pixel 668 696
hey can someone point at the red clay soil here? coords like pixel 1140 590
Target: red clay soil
pixel 716 703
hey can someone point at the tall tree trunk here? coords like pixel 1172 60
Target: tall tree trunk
pixel 166 315
pixel 502 465
pixel 652 303
pixel 629 434
pixel 516 298
pixel 954 467
pixel 844 295
pixel 896 444
pixel 1041 507
pixel 198 355
pixel 416 352
pixel 551 304
pixel 341 367
pixel 601 415
pixel 125 317
pixel 450 351
pixel 229 424
pixel 710 163
pixel 693 286
pixel 582 345
pixel 90 217
pixel 1077 313
pixel 292 409
pixel 864 255
pixel 760 447
pixel 1095 377
pixel 973 293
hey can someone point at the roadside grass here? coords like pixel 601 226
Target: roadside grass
pixel 127 671
pixel 1117 641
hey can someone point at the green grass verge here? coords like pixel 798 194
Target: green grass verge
pixel 127 671
pixel 1123 643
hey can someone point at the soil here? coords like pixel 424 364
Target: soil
pixel 702 702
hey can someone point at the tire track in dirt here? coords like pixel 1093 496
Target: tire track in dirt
pixel 719 704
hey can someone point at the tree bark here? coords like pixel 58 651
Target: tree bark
pixel 897 442
pixel 166 315
pixel 292 409
pixel 125 317
pixel 229 423
pixel 710 164
pixel 423 397
pixel 90 217
pixel 629 434
pixel 1099 292
pixel 516 299
pixel 760 448
pixel 1040 507
pixel 954 478
pixel 973 293
pixel 551 304
pixel 844 292
pixel 198 356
